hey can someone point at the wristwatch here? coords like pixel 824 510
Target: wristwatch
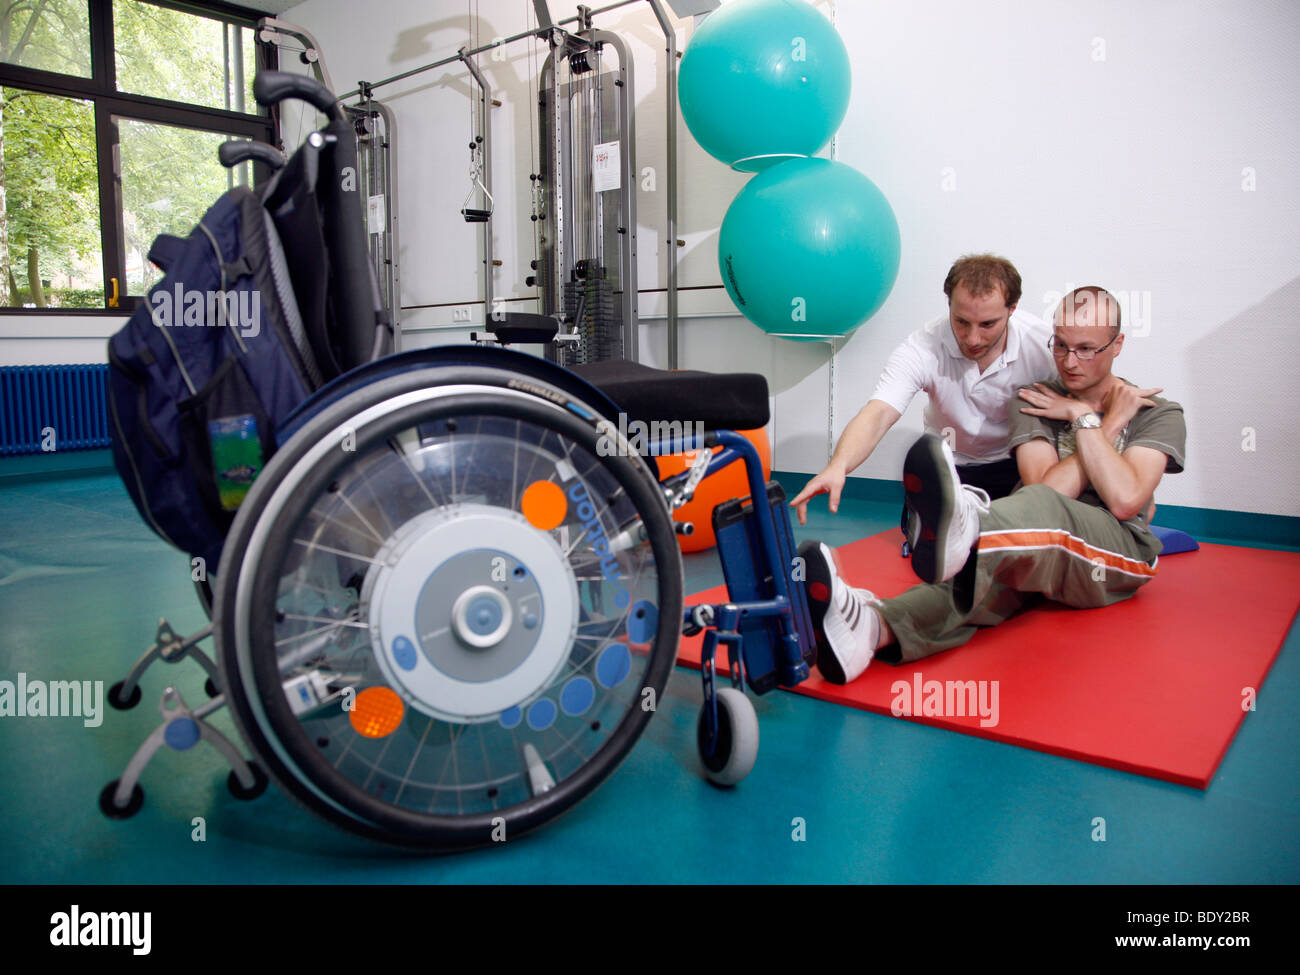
pixel 1088 421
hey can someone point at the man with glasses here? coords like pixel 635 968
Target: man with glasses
pixel 1090 448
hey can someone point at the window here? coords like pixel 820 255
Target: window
pixel 111 112
pixel 176 55
pixel 51 36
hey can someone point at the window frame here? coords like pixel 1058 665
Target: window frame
pixel 100 89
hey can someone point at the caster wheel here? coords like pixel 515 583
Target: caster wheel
pixel 210 688
pixel 120 812
pixel 736 747
pixel 259 783
pixel 120 703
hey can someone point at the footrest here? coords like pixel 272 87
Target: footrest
pixel 749 578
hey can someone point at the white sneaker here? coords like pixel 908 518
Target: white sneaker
pixel 945 523
pixel 846 624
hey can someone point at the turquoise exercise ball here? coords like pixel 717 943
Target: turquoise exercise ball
pixel 764 80
pixel 809 248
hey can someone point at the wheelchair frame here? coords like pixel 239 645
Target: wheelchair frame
pixel 764 626
pixel 293 690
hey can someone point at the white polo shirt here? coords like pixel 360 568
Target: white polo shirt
pixel 973 404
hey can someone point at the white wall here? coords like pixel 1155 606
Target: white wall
pixel 1109 143
pixel 34 340
pixel 1090 142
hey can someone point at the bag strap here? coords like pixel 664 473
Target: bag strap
pixel 164 250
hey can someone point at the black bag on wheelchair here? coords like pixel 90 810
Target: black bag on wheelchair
pixel 210 362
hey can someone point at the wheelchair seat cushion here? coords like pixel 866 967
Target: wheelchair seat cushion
pixel 721 401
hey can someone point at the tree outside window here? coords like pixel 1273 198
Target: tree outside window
pixel 178 78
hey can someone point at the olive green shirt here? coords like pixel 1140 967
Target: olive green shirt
pixel 1159 427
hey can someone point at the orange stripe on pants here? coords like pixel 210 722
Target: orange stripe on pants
pixel 1039 538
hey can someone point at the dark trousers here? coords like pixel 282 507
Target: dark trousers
pixel 998 478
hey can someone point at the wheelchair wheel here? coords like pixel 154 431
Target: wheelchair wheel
pixel 441 608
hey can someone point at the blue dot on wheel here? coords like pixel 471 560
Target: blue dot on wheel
pixel 542 714
pixel 182 733
pixel 511 717
pixel 404 653
pixel 642 622
pixel 577 696
pixel 620 598
pixel 613 665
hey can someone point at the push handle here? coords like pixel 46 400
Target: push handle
pixel 272 87
pixel 237 151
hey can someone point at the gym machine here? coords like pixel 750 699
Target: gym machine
pixel 583 192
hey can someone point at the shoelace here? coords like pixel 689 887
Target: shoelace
pixel 852 602
pixel 979 497
pixel 977 503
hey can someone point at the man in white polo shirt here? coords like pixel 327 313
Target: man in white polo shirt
pixel 970 362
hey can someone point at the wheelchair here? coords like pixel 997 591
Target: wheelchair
pixel 450 602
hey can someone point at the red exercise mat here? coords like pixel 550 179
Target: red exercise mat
pixel 1152 685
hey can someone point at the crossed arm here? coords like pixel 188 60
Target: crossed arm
pixel 1123 481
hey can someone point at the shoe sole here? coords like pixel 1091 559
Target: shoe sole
pixel 817 579
pixel 931 493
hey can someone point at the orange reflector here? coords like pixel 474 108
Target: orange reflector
pixel 544 505
pixel 378 712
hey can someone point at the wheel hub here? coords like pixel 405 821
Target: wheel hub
pixel 472 611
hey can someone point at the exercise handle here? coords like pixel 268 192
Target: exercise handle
pixel 236 151
pixel 272 87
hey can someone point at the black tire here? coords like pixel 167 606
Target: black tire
pixel 305 488
pixel 120 703
pixel 260 782
pixel 125 812
pixel 203 589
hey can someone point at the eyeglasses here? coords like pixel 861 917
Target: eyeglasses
pixel 1062 351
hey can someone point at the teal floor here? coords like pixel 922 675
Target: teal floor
pixel 83 582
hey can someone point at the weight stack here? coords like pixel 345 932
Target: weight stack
pixel 601 329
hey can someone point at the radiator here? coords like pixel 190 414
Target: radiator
pixel 45 408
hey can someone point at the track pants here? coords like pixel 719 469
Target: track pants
pixel 1035 543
